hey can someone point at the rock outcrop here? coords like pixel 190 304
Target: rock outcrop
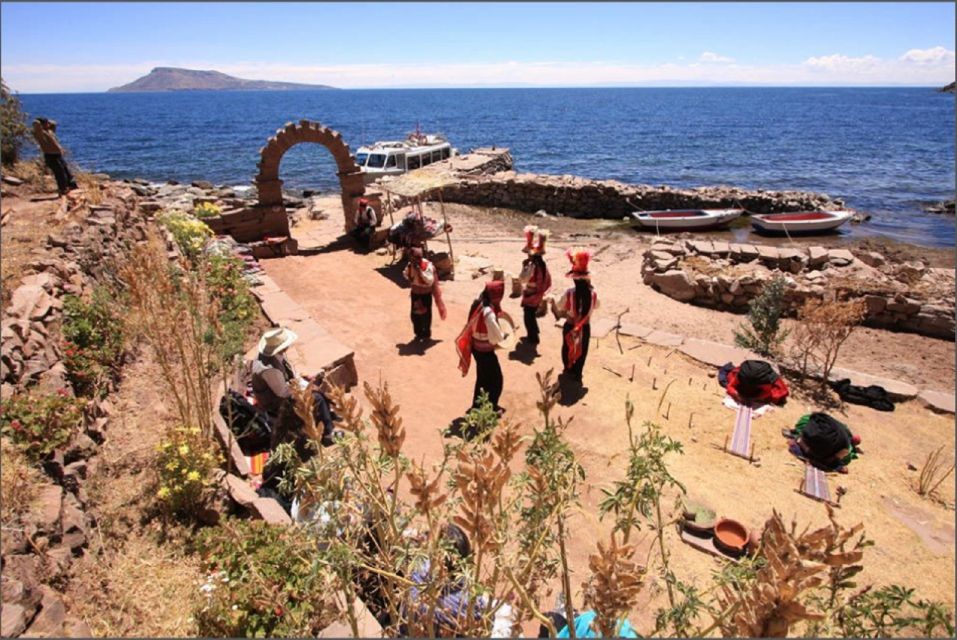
pixel 903 296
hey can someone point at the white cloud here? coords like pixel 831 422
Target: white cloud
pixel 933 56
pixel 710 56
pixel 929 67
pixel 838 63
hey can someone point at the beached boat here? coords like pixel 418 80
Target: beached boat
pixel 395 157
pixel 800 222
pixel 685 219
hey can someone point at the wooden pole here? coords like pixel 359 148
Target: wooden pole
pixel 447 236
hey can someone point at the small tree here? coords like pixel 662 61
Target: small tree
pixel 764 315
pixel 13 126
pixel 823 327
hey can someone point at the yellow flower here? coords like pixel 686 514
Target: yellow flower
pixel 192 476
pixel 183 449
pixel 171 466
pixel 185 471
pixel 163 493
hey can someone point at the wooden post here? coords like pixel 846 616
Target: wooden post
pixel 447 236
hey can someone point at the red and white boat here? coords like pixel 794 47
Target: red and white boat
pixel 685 219
pixel 800 222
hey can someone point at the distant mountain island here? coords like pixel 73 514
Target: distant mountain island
pixel 173 79
pixel 951 88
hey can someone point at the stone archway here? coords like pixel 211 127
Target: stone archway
pixel 268 184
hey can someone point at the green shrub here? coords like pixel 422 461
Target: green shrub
pixel 263 580
pixel 92 341
pixel 224 280
pixel 185 463
pixel 40 424
pixel 764 315
pixel 13 126
pixel 206 210
pixel 190 234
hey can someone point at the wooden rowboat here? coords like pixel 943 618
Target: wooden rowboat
pixel 800 222
pixel 685 219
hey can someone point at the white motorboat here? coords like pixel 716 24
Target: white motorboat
pixel 393 158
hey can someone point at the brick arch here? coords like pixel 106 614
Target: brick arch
pixel 268 184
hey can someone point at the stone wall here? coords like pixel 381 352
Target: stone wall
pixel 580 197
pixel 57 527
pixel 903 296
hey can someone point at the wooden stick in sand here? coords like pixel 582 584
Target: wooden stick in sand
pixel 618 328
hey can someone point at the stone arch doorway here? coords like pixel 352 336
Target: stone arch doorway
pixel 268 184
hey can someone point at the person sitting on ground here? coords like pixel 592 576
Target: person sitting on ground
pixel 584 626
pixel 754 382
pixel 454 604
pixel 272 375
pixel 824 442
pixel 366 222
pixel 44 131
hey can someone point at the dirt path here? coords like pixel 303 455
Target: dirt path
pixel 136 579
pixel 361 301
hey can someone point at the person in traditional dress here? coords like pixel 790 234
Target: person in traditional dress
pixel 576 305
pixel 366 222
pixel 536 280
pixel 483 332
pixel 424 284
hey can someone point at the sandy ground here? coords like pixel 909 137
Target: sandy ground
pixel 363 302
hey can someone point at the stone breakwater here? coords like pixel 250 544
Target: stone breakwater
pixel 584 198
pixel 904 296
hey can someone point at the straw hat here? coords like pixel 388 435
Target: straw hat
pixel 275 341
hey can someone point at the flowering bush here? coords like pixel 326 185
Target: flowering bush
pixel 206 210
pixel 40 424
pixel 224 279
pixel 190 234
pixel 185 462
pixel 93 341
pixel 263 580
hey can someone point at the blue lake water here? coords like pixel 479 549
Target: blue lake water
pixel 884 151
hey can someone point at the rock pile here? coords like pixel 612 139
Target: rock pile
pixel 902 296
pixel 581 197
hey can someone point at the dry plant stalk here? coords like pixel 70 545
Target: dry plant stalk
pixel 613 588
pixel 386 420
pixel 348 408
pixel 821 330
pixel 177 317
pixel 795 565
pixel 933 472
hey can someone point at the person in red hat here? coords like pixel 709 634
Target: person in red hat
pixel 481 335
pixel 420 273
pixel 366 221
pixel 576 305
pixel 535 278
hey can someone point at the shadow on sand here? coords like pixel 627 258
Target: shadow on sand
pixel 342 243
pixel 570 391
pixel 393 272
pixel 524 352
pixel 416 347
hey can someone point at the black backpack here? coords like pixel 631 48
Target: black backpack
pixel 250 427
pixel 825 436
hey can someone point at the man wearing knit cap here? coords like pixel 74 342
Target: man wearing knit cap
pixel 536 279
pixel 423 282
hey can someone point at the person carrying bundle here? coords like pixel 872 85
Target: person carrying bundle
pixel 535 278
pixel 424 284
pixel 577 306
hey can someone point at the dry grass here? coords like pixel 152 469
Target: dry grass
pixel 140 589
pixel 933 472
pixel 18 482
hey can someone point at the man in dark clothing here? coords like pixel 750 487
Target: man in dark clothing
pixel 44 131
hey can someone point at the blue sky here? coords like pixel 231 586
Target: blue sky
pixel 92 46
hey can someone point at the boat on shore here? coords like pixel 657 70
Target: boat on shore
pixel 800 222
pixel 685 219
pixel 395 157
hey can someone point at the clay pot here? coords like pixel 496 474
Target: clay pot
pixel 731 536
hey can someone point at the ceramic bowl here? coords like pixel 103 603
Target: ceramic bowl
pixel 731 536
